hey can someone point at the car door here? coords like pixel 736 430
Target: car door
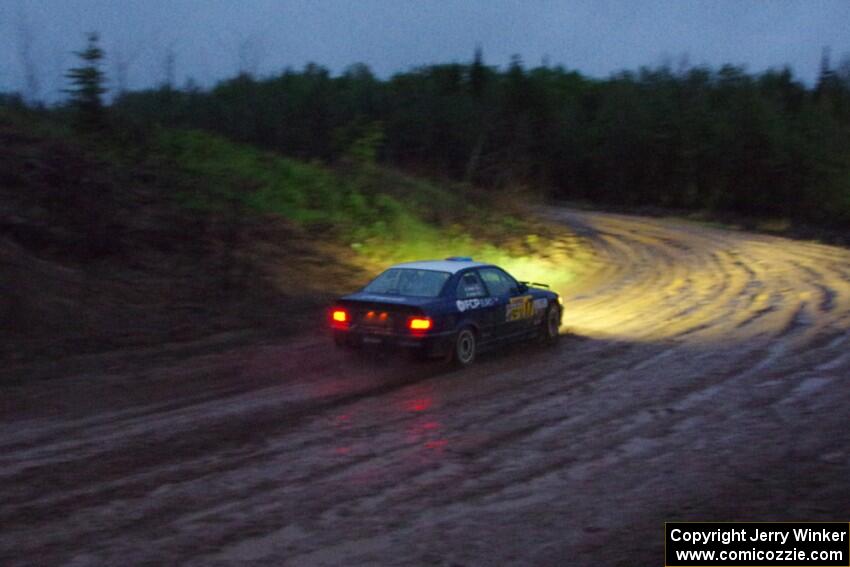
pixel 474 303
pixel 516 309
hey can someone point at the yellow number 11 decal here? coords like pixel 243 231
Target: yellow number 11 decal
pixel 520 308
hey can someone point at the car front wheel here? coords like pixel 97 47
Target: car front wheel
pixel 551 325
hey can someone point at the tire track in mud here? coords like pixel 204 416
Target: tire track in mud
pixel 704 377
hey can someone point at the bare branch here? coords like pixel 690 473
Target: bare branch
pixel 169 67
pixel 251 52
pixel 26 40
pixel 122 59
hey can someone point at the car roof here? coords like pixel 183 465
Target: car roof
pixel 450 266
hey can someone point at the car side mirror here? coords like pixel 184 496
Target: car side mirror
pixel 522 288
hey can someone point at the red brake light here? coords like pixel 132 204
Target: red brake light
pixel 339 318
pixel 419 323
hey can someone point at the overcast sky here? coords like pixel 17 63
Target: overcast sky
pixel 213 39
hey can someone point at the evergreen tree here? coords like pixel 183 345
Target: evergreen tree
pixel 88 85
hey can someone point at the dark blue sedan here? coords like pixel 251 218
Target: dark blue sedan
pixel 449 308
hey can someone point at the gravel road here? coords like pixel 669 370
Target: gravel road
pixel 703 375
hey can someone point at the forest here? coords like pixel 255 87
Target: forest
pixel 682 137
pixel 695 138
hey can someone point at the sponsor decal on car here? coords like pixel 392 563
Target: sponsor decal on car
pixel 467 304
pixel 520 308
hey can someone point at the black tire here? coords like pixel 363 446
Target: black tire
pixel 466 347
pixel 550 326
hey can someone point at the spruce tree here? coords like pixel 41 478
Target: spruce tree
pixel 88 85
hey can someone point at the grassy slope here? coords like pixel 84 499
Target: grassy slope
pixel 381 215
pixel 182 235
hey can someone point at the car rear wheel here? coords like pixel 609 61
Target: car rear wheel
pixel 466 346
pixel 551 325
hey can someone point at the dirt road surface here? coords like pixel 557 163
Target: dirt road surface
pixel 706 378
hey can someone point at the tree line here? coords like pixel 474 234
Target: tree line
pixel 720 139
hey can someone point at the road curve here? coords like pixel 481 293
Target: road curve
pixel 703 375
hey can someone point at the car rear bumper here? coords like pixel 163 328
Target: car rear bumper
pixel 430 344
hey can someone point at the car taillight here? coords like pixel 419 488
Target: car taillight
pixel 339 318
pixel 419 323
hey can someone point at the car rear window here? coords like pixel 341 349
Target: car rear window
pixel 409 281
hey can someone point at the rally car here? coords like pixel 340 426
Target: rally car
pixel 450 308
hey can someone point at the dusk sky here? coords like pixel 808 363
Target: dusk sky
pixel 212 39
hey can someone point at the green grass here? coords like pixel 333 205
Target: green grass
pixel 227 175
pixel 382 215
